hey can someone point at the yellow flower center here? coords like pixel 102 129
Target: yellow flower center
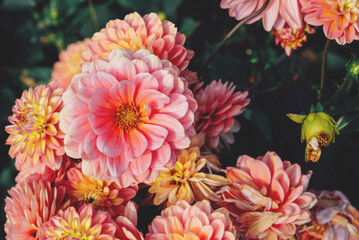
pixel 127 116
pixel 323 139
pixel 75 234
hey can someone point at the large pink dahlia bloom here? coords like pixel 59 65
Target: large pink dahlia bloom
pixel 277 13
pixel 127 117
pixel 198 222
pixel 134 33
pixel 266 197
pixel 338 17
pixel 35 138
pixel 217 106
pixel 29 206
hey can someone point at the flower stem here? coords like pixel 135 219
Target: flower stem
pixel 96 25
pixel 338 92
pixel 229 35
pixel 324 62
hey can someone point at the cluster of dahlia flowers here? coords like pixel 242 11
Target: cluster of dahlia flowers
pixel 119 115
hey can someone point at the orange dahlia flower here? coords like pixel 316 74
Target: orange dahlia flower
pixel 35 138
pixel 69 63
pixel 339 18
pixel 29 206
pixel 266 197
pixel 186 181
pixel 185 222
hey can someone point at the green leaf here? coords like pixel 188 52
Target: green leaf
pixel 189 26
pixel 320 107
pixel 18 4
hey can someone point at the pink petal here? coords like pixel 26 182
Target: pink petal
pixel 112 143
pixel 123 92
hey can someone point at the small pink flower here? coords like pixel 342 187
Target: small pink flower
pixel 35 138
pixel 339 18
pixel 277 14
pixel 29 206
pixel 266 197
pixel 127 117
pixel 183 221
pixel 217 106
pixel 126 224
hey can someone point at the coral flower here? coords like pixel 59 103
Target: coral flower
pixel 277 14
pixel 185 222
pixel 339 18
pixel 69 63
pixel 29 206
pixel 86 223
pixel 103 195
pixel 35 138
pixel 290 38
pixel 333 217
pixel 127 117
pixel 134 33
pixel 185 181
pixel 266 197
pixel 218 104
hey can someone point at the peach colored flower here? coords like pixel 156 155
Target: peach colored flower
pixel 333 217
pixel 339 18
pixel 217 106
pixel 266 197
pixel 127 117
pixel 86 223
pixel 134 33
pixel 185 222
pixel 35 138
pixel 126 224
pixel 290 38
pixel 103 195
pixel 30 205
pixel 277 14
pixel 186 181
pixel 69 63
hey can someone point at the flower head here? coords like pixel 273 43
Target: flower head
pixel 218 104
pixel 290 38
pixel 135 33
pixel 277 14
pixel 266 197
pixel 185 181
pixel 318 130
pixel 339 18
pixel 35 138
pixel 69 63
pixel 86 223
pixel 29 206
pixel 333 217
pixel 103 195
pixel 127 117
pixel 183 221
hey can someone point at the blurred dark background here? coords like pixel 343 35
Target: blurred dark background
pixel 33 32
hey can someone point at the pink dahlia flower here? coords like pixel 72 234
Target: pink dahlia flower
pixel 134 33
pixel 217 106
pixel 266 197
pixel 103 195
pixel 277 14
pixel 183 221
pixel 86 223
pixel 35 138
pixel 339 18
pixel 126 224
pixel 69 63
pixel 127 117
pixel 29 206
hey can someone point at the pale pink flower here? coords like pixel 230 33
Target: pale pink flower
pixel 266 197
pixel 69 63
pixel 134 33
pixel 185 222
pixel 127 117
pixel 277 14
pixel 333 217
pixel 339 18
pixel 35 138
pixel 29 206
pixel 126 224
pixel 218 104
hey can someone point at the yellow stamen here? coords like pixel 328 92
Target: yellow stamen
pixel 127 116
